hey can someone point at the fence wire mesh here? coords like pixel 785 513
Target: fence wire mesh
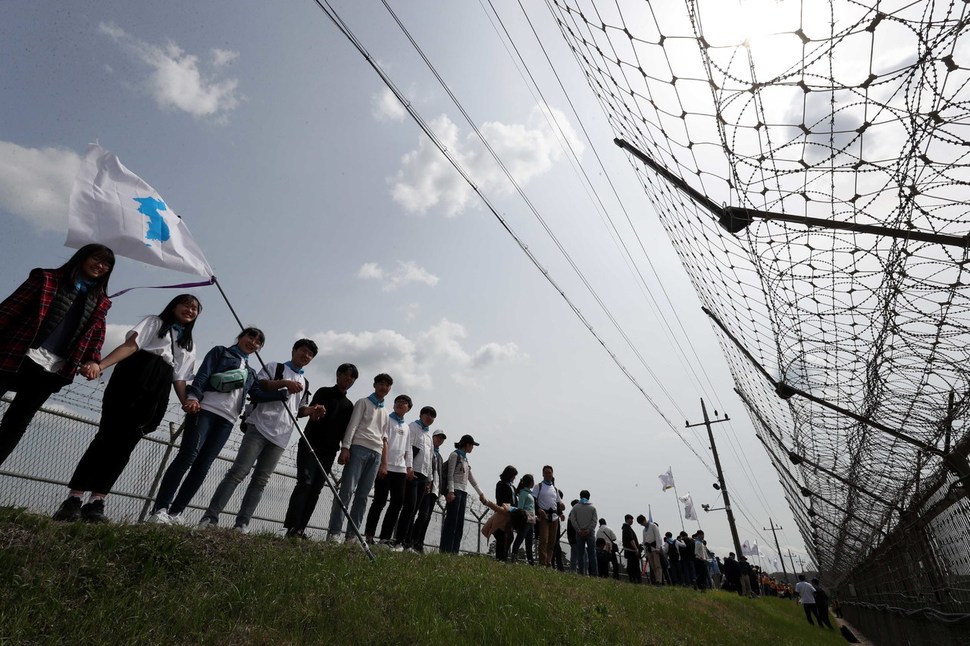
pixel 744 119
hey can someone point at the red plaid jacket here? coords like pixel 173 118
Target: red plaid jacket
pixel 22 313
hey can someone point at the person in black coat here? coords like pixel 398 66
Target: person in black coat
pixel 504 495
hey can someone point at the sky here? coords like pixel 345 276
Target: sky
pixel 325 211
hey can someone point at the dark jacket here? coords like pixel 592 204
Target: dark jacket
pixel 628 536
pixel 327 432
pixel 24 312
pixel 220 359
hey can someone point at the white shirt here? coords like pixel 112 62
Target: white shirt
pixel 166 347
pixel 421 440
pixel 271 418
pixel 806 592
pixel 399 453
pixel 607 535
pixel 367 426
pixel 651 533
pixel 547 497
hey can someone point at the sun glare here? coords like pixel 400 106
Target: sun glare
pixel 745 22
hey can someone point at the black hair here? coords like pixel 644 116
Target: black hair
pixel 306 343
pixel 98 251
pixel 344 368
pixel 168 320
pixel 403 398
pixel 526 482
pixel 584 494
pixel 508 474
pixel 253 331
pixel 602 521
pixel 429 410
pixel 641 518
pixel 384 378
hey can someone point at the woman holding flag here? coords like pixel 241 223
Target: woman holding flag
pixel 157 354
pixel 51 329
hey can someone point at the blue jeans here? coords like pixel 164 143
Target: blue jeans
pixel 575 560
pixel 585 550
pixel 205 435
pixel 525 536
pixel 453 525
pixel 256 450
pixel 357 480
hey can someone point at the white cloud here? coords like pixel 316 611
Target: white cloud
pixel 222 57
pixel 407 272
pixel 176 81
pixel 35 183
pixel 411 361
pixel 427 179
pixel 385 106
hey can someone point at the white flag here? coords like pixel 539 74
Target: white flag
pixel 667 479
pixel 688 507
pixel 755 550
pixel 745 549
pixel 113 206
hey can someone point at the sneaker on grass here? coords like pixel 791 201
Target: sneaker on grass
pixel 160 517
pixel 69 511
pixel 93 512
pixel 207 523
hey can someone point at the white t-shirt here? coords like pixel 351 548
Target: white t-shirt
pixel 806 592
pixel 166 347
pixel 271 418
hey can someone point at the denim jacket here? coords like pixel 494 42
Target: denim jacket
pixel 220 359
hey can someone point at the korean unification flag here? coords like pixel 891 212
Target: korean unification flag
pixel 112 206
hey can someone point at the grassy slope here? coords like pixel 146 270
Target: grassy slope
pixel 147 584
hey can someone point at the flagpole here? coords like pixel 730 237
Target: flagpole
pixel 679 511
pixel 326 474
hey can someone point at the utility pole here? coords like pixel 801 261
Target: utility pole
pixel 720 474
pixel 801 564
pixel 792 559
pixel 777 547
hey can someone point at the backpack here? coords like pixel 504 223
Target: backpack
pixel 243 424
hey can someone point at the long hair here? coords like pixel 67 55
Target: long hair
pixel 98 251
pixel 526 482
pixel 168 320
pixel 508 474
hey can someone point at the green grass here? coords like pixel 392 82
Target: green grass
pixel 131 584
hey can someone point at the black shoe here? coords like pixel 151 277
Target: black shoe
pixel 69 511
pixel 93 512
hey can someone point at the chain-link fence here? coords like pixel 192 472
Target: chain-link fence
pixel 36 474
pixel 914 588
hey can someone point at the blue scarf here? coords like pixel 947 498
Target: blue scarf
pixel 179 330
pixel 397 418
pixel 547 483
pixel 460 453
pixel 81 286
pixel 377 402
pixel 584 501
pixel 236 350
pixel 289 364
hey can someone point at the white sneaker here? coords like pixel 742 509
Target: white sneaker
pixel 207 523
pixel 160 517
pixel 179 519
pixel 242 529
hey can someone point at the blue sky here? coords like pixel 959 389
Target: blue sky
pixel 325 211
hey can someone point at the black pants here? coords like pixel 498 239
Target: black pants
pixel 413 492
pixel 822 614
pixel 134 403
pixel 633 568
pixel 392 484
pixel 310 481
pixel 809 609
pixel 503 541
pixel 420 528
pixel 34 386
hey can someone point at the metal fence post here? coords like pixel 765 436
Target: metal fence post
pixel 173 434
